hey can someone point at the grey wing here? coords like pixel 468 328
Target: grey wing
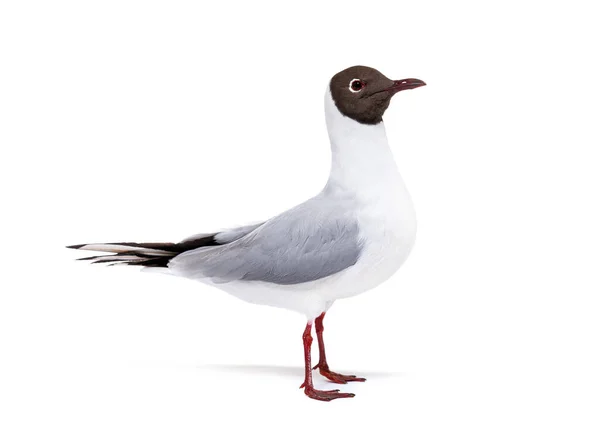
pixel 305 244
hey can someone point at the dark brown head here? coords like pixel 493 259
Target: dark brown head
pixel 364 94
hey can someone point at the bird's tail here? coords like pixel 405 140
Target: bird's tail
pixel 150 254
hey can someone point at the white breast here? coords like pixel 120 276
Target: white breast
pixel 388 228
pixel 387 224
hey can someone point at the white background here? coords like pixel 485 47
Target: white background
pixel 152 121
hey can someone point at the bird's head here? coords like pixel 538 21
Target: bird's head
pixel 364 94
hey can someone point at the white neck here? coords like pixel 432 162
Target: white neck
pixel 362 161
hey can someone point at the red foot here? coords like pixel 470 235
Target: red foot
pixel 335 377
pixel 324 395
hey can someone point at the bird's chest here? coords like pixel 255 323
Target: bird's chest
pixel 387 231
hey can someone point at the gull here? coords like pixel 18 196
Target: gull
pixel 347 239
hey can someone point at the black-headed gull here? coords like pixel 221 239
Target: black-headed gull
pixel 348 239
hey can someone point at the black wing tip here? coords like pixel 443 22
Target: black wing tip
pixel 171 250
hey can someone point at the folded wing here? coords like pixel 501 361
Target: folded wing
pixel 307 243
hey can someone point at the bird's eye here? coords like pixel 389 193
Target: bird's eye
pixel 356 85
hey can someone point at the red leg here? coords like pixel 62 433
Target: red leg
pixel 322 365
pixel 309 389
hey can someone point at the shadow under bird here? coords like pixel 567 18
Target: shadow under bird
pixel 349 238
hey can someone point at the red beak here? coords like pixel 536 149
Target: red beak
pixel 405 84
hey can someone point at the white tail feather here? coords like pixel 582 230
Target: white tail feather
pixel 113 248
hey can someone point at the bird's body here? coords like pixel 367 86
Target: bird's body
pixel 346 240
pixel 367 198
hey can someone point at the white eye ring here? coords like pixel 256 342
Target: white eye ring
pixel 362 85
